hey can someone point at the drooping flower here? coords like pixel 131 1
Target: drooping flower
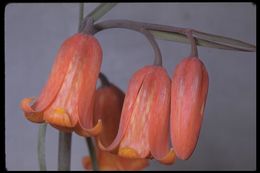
pixel 144 129
pixel 108 106
pixel 66 101
pixel 188 97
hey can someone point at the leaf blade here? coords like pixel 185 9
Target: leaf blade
pixel 171 36
pixel 101 10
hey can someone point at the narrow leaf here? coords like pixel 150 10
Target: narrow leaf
pixel 225 40
pixel 171 36
pixel 101 10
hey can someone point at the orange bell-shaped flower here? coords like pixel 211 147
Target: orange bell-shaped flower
pixel 108 106
pixel 66 101
pixel 144 129
pixel 188 97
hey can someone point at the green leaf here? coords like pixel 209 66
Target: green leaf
pixel 101 10
pixel 210 41
pixel 224 40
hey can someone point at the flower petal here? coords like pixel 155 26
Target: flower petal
pixel 169 158
pixel 29 112
pixel 128 152
pixel 160 116
pixel 188 97
pixel 89 132
pixel 108 106
pixel 111 162
pixel 58 73
pixel 59 117
pixel 90 67
pixel 128 106
pixel 86 162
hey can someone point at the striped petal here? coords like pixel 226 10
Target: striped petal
pixel 128 106
pixel 58 73
pixel 160 116
pixel 91 58
pixel 189 92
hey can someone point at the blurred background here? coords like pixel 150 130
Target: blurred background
pixel 35 31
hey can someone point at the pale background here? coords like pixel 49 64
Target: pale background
pixel 34 32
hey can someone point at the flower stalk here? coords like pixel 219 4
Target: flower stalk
pixel 87 27
pixel 92 153
pixel 64 151
pixel 178 34
pixel 41 147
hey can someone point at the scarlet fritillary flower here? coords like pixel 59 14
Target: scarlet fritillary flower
pixel 144 125
pixel 66 101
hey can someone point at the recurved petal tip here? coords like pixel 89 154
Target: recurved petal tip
pixel 128 153
pixel 89 132
pixel 169 158
pixel 29 112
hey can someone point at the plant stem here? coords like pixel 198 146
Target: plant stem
pixel 194 50
pixel 64 151
pixel 101 10
pixel 81 14
pixel 178 34
pixel 127 24
pixel 41 147
pixel 92 153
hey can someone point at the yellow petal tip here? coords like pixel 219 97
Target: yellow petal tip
pixel 59 117
pixel 169 158
pixel 128 153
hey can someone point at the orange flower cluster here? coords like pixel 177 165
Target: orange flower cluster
pixel 131 129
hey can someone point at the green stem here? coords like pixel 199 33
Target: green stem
pixel 92 153
pixel 178 34
pixel 41 147
pixel 127 24
pixel 64 151
pixel 81 14
pixel 194 49
pixel 101 10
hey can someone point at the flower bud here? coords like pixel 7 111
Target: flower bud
pixel 108 106
pixel 188 97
